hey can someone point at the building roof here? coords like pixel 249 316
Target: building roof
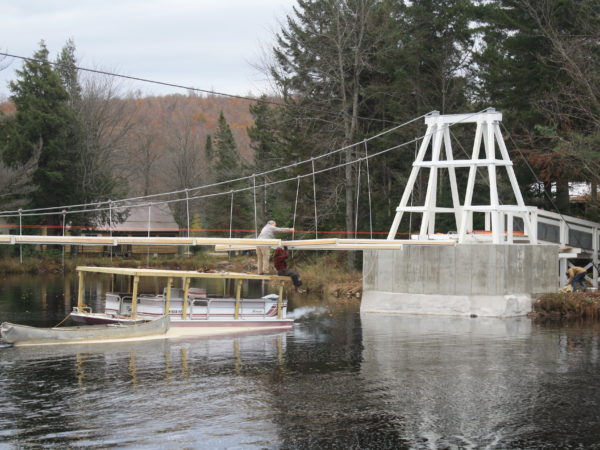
pixel 159 216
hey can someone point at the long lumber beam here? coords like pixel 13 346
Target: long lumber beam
pixel 221 244
pixel 342 244
pixel 131 240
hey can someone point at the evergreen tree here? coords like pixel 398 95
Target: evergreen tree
pixel 341 63
pixel 519 75
pixel 227 165
pixel 66 68
pixel 269 153
pixel 94 120
pixel 208 149
pixel 44 127
pixel 325 59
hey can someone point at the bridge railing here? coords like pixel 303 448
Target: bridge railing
pixel 582 236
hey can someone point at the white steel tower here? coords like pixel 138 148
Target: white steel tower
pixel 498 216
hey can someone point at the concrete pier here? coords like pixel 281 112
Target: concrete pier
pixel 462 280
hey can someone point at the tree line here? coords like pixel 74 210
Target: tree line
pixel 349 68
pixel 344 71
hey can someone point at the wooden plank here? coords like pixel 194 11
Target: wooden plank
pixel 237 241
pixel 75 240
pixel 233 248
pixel 310 242
pixel 154 241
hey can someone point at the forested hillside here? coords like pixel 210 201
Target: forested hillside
pixel 345 71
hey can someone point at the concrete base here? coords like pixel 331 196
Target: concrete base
pixel 447 305
pixel 463 280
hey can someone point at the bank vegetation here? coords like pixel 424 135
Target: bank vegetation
pixel 571 305
pixel 323 274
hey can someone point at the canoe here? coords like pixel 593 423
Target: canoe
pixel 25 335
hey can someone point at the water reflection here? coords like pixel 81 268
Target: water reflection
pixel 120 394
pixel 336 380
pixel 482 382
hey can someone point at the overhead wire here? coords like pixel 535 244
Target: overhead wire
pixel 188 88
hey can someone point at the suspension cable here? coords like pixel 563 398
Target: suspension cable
pixel 265 201
pixel 254 192
pixel 369 190
pixel 187 208
pixel 295 209
pixel 216 194
pixel 149 216
pixel 234 180
pixel 231 216
pixel 313 173
pixel 315 200
pixel 357 199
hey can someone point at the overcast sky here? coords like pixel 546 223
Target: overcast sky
pixel 207 44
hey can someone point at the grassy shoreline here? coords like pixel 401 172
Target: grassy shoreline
pixel 322 274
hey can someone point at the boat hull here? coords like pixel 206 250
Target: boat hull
pixel 177 322
pixel 101 319
pixel 25 335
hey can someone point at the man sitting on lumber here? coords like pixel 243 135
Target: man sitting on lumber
pixel 280 261
pixel 576 275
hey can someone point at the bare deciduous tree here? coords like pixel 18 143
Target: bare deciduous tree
pixel 575 106
pixel 183 144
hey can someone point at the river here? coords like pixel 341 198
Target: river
pixel 337 380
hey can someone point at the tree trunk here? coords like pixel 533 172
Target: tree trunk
pixel 562 196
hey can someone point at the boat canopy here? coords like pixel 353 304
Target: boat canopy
pixel 180 273
pixel 185 275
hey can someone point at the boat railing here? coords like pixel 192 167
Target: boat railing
pixel 194 304
pixel 199 302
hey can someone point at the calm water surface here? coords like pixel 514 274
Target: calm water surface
pixel 337 380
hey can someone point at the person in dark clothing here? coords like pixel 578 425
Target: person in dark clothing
pixel 280 262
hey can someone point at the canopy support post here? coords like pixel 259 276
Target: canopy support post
pixel 186 288
pixel 168 296
pixel 238 296
pixel 136 282
pixel 280 301
pixel 80 291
